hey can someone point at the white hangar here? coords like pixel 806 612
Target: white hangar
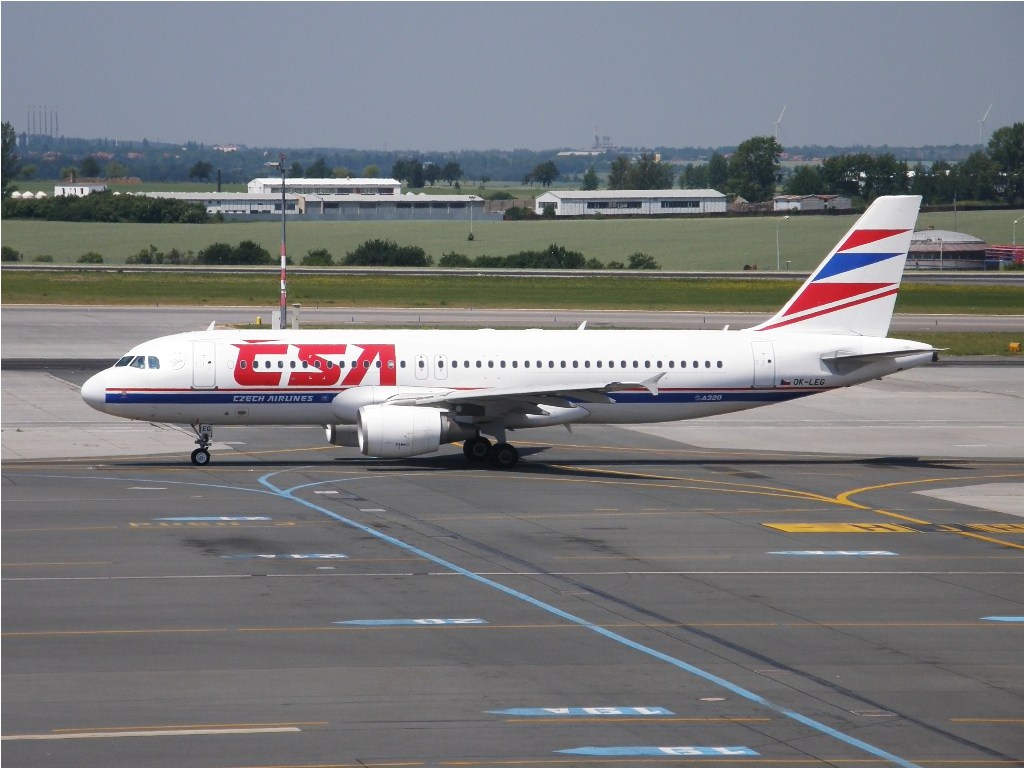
pixel 633 202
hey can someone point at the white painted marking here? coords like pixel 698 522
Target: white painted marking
pixel 1007 498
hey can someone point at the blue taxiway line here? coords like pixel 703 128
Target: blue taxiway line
pixel 290 495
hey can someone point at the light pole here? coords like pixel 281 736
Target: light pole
pixel 778 251
pixel 1015 229
pixel 284 249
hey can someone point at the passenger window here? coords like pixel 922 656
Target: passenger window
pixel 707 363
pixel 719 363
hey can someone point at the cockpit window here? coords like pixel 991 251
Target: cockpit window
pixel 138 361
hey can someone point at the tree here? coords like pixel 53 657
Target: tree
pixel 590 181
pixel 618 173
pixel 318 170
pixel 372 171
pixel 90 167
pixel 805 180
pixel 451 172
pixel 10 159
pixel 1006 148
pixel 648 172
pixel 694 177
pixel 718 171
pixel 201 171
pixel 754 168
pixel 545 173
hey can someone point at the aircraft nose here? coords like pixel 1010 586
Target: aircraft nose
pixel 94 391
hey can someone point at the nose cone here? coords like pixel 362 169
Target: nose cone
pixel 94 391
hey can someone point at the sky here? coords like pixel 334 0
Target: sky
pixel 433 76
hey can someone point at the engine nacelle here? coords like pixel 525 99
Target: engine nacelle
pixel 395 431
pixel 343 435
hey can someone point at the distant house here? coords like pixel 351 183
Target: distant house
pixel 799 203
pixel 79 189
pixel 633 202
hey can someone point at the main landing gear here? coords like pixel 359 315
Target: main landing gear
pixel 204 435
pixel 500 455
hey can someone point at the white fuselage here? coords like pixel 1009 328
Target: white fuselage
pixel 295 376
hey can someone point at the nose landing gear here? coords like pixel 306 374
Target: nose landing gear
pixel 204 435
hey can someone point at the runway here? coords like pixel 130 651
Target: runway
pixel 837 585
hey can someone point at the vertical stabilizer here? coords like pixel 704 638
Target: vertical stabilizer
pixel 853 291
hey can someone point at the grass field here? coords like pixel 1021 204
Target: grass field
pixel 701 244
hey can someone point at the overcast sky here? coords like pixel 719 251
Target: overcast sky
pixel 505 75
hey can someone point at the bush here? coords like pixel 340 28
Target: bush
pixel 90 257
pixel 318 258
pixel 553 257
pixel 107 207
pixel 454 260
pixel 520 214
pixel 9 254
pixel 246 252
pixel 386 253
pixel 42 259
pixel 642 260
pixel 249 252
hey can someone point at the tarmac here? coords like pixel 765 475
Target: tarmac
pixel 834 581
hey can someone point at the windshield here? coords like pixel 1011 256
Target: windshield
pixel 138 361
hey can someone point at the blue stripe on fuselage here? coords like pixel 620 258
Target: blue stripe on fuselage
pixel 213 397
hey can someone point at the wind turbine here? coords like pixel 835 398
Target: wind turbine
pixel 981 125
pixel 778 123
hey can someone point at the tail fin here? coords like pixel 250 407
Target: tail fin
pixel 853 291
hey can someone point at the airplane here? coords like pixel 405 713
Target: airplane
pixel 401 393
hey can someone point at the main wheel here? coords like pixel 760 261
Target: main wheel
pixel 503 456
pixel 476 448
pixel 200 457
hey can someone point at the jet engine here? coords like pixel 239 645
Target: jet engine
pixel 344 435
pixel 395 431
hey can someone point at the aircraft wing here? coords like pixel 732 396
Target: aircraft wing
pixel 528 398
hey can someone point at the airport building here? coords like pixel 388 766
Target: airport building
pixel 633 202
pixel 326 186
pixel 943 249
pixel 798 203
pixel 347 206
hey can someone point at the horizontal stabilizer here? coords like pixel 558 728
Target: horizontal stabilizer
pixel 844 362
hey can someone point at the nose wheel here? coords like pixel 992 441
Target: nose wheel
pixel 204 436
